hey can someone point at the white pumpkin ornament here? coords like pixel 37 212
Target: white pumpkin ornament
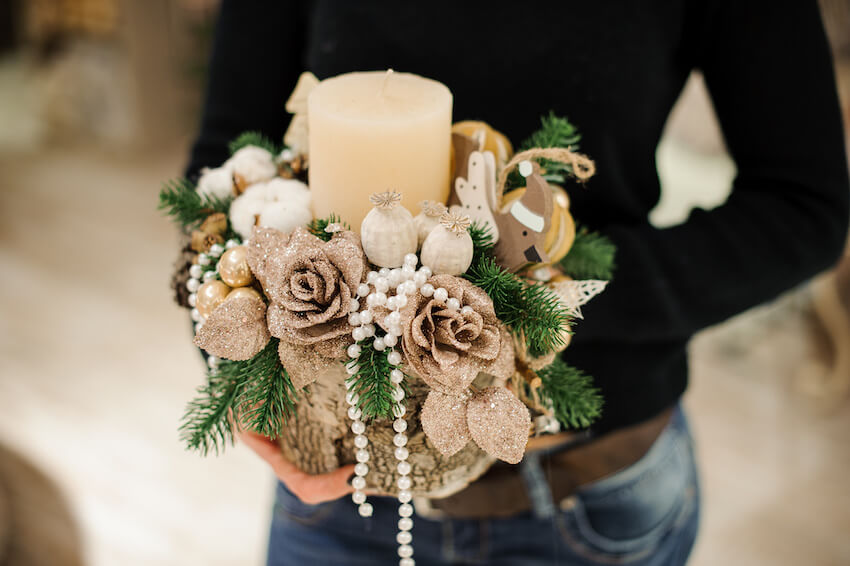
pixel 282 204
pixel 478 192
pixel 428 219
pixel 448 248
pixel 388 233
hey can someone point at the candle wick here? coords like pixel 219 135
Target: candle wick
pixel 384 83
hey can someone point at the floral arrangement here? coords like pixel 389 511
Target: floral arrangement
pixel 437 336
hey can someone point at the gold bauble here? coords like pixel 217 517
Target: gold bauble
pixel 233 267
pixel 210 295
pixel 564 234
pixel 244 292
pixel 487 138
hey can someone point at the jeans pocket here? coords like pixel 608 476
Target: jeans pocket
pixel 287 505
pixel 626 516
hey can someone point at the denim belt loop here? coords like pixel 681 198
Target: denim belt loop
pixel 536 486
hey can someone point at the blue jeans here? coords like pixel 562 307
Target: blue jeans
pixel 644 515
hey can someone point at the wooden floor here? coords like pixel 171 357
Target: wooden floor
pixel 96 365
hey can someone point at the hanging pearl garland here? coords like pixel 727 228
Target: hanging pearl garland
pixel 403 281
pixel 385 288
pixel 205 270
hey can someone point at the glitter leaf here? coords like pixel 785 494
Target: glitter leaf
pixel 443 420
pixel 235 330
pixel 499 423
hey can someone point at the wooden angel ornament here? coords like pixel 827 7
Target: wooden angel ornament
pixel 477 192
pixel 523 225
pixel 297 134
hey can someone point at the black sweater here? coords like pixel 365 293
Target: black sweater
pixel 615 68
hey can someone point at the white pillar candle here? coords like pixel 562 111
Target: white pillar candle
pixel 378 131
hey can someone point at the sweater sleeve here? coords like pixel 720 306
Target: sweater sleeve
pixel 256 60
pixel 769 72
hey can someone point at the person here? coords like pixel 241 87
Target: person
pixel 627 490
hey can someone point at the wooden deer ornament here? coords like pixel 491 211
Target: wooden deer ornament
pixel 524 224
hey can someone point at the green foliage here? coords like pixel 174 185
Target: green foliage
pixel 555 131
pixel 591 257
pixel 576 402
pixel 502 286
pixel 185 206
pixel 531 310
pixel 482 240
pixel 317 226
pixel 253 138
pixel 268 397
pixel 544 319
pixel 206 426
pixel 257 393
pixel 372 382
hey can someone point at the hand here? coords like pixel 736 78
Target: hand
pixel 308 488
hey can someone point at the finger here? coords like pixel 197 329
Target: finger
pixel 331 485
pixel 319 488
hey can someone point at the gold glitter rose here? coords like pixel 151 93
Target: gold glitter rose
pixel 447 339
pixel 447 347
pixel 309 284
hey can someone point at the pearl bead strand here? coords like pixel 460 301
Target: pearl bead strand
pixel 391 288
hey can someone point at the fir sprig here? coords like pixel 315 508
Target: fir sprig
pixel 317 226
pixel 555 131
pixel 179 199
pixel 206 426
pixel 590 257
pixel 482 240
pixel 576 402
pixel 253 138
pixel 268 397
pixel 530 310
pixel 372 382
pixel 542 319
pixel 257 393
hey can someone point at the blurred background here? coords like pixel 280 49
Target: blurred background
pixel 98 103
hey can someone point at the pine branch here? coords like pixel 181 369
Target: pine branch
pixel 372 382
pixel 253 138
pixel 317 226
pixel 268 397
pixel 257 391
pixel 554 131
pixel 206 426
pixel 591 257
pixel 545 317
pixel 576 402
pixel 482 240
pixel 179 199
pixel 503 287
pixel 530 310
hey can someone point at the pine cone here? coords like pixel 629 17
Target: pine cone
pixel 181 274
